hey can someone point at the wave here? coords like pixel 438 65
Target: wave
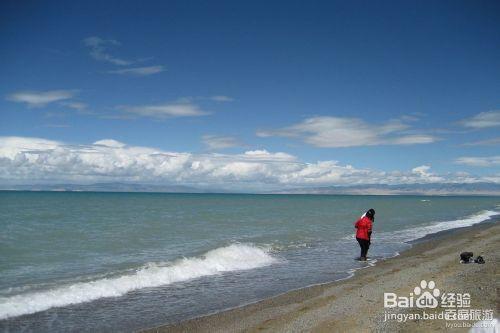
pixel 411 234
pixel 224 259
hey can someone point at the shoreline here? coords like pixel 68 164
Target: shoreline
pixel 297 305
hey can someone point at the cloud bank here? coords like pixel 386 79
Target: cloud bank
pixel 28 160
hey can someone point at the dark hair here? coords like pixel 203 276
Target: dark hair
pixel 371 214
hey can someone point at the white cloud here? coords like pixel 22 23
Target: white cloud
pixel 483 120
pixel 487 142
pixel 139 71
pixel 217 142
pixel 32 160
pixel 99 50
pixel 10 146
pixel 349 132
pixel 109 143
pixel 221 98
pixel 424 172
pixel 166 110
pixel 74 105
pixel 487 161
pixel 264 155
pixel 411 139
pixel 41 98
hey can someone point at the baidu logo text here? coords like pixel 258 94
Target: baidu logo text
pixel 424 296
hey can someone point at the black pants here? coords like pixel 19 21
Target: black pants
pixel 365 245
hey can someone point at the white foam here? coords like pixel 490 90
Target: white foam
pixel 225 259
pixel 410 234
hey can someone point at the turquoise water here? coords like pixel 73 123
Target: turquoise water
pixel 125 261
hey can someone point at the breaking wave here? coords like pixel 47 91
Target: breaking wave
pixel 224 259
pixel 411 234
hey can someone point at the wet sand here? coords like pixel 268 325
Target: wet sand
pixel 357 303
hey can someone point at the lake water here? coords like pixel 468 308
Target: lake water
pixel 95 262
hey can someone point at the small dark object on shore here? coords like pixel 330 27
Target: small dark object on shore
pixel 465 257
pixel 479 260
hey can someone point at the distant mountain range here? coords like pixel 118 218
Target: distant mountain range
pixel 105 187
pixel 406 189
pixel 373 189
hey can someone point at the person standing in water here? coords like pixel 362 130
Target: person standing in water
pixel 364 232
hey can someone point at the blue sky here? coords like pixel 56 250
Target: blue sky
pixel 381 87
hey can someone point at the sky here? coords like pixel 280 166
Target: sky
pixel 250 95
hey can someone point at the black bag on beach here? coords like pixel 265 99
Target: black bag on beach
pixel 479 260
pixel 465 257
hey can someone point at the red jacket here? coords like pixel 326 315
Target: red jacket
pixel 364 227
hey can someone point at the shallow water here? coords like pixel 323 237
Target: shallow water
pixel 125 261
